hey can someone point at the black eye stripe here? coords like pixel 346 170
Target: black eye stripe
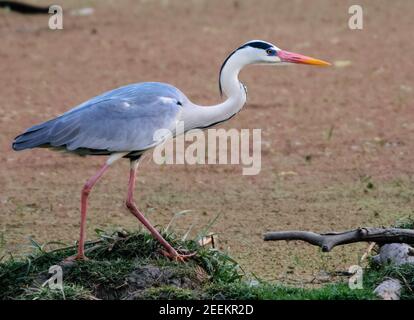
pixel 257 45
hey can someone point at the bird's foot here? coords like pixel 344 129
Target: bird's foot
pixel 176 256
pixel 77 257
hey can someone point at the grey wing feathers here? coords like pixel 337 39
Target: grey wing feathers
pixel 124 119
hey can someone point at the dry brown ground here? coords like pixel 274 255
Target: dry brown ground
pixel 366 106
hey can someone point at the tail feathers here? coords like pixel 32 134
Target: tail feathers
pixel 35 136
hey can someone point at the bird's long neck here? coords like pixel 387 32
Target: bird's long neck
pixel 233 89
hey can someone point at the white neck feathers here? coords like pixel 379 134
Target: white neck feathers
pixel 201 116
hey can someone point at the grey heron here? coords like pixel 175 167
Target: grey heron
pixel 122 123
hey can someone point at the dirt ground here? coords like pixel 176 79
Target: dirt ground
pixel 337 142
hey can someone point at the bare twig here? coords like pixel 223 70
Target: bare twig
pixel 367 252
pixel 327 241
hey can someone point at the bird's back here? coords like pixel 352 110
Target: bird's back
pixel 123 119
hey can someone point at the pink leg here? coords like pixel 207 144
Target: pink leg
pixel 171 252
pixel 84 205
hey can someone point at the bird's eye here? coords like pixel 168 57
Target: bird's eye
pixel 269 52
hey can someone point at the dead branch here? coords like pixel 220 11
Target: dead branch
pixel 327 241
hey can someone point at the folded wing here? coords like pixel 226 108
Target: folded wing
pixel 124 119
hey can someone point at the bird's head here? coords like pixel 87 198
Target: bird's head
pixel 262 52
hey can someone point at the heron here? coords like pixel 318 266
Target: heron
pixel 122 123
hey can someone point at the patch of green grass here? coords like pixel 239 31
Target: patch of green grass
pixel 405 223
pixel 375 274
pixel 106 276
pixel 68 292
pixel 220 266
pixel 169 293
pixel 127 265
pixel 267 291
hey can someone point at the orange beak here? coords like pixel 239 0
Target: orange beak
pixel 291 57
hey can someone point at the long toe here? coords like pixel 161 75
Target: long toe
pixel 184 257
pixel 178 256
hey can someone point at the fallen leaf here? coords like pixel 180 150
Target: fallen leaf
pixel 288 173
pixel 342 63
